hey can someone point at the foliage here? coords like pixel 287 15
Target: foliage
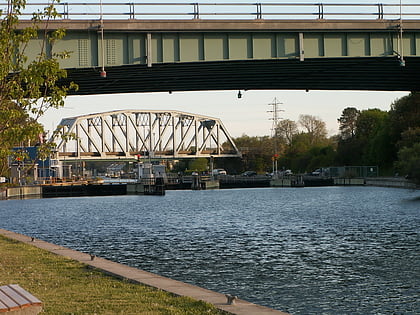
pixel 367 137
pixel 286 129
pixel 231 165
pixel 28 88
pixel 405 134
pixel 366 140
pixel 309 158
pixel 198 165
pixel 193 165
pixel 180 166
pixel 409 137
pixel 409 162
pixel 300 151
pixel 69 287
pixel 348 122
pixel 307 149
pixel 405 114
pixel 349 152
pixel 369 125
pixel 257 153
pixel 314 127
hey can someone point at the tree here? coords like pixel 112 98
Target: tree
pixel 349 152
pixel 409 162
pixel 348 122
pixel 28 88
pixel 198 165
pixel 256 152
pixel 369 122
pixel 405 133
pixel 405 114
pixel 409 137
pixel 286 129
pixel 369 125
pixel 370 141
pixel 314 127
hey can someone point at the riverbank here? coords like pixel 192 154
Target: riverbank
pixel 226 182
pixel 394 182
pixel 69 287
pixel 72 286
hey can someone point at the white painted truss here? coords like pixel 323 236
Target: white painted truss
pixel 130 134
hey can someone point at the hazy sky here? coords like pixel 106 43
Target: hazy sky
pixel 248 115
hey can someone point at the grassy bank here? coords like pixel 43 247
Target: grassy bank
pixel 69 287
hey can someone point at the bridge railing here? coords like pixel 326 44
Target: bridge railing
pixel 229 10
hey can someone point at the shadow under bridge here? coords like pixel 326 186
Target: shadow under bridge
pixel 130 134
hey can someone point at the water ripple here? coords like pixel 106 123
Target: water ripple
pixel 329 250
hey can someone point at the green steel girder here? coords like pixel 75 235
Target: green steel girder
pixel 168 41
pixel 132 48
pixel 185 55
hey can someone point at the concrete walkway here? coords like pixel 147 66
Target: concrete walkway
pixel 219 300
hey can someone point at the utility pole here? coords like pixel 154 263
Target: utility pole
pixel 275 118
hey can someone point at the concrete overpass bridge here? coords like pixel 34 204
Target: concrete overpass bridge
pixel 159 47
pixel 129 134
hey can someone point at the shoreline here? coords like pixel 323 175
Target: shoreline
pixel 219 300
pixel 35 192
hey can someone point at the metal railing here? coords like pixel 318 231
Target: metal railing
pixel 162 10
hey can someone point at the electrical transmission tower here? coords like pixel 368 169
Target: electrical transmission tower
pixel 275 118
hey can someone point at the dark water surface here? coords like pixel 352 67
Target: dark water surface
pixel 329 250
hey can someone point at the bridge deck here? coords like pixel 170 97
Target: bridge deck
pixel 188 55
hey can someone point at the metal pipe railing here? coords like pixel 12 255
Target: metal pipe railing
pixel 232 10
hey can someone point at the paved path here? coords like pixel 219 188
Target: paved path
pixel 241 307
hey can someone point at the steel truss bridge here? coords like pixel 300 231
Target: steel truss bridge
pixel 130 134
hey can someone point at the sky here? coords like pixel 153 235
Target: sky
pixel 248 115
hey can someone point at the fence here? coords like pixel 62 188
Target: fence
pixel 162 10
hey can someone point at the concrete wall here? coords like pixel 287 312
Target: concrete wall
pixel 22 192
pixel 396 182
pixel 349 181
pixel 281 182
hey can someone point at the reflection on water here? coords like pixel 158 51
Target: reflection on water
pixel 329 250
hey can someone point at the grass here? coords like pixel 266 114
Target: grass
pixel 69 287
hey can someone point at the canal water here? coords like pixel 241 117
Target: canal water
pixel 325 250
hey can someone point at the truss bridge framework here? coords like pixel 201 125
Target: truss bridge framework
pixel 132 134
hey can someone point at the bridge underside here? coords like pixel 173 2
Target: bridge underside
pixel 358 73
